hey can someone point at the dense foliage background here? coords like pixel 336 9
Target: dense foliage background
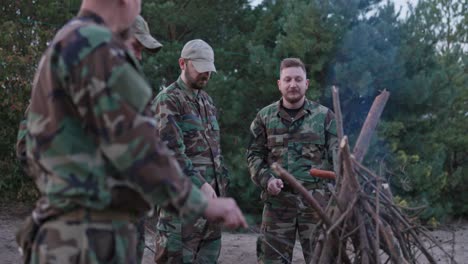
pixel 362 46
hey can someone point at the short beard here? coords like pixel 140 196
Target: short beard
pixel 193 83
pixel 196 86
pixel 294 100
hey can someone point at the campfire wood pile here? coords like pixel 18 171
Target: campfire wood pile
pixel 361 223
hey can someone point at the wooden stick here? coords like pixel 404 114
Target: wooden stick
pixel 377 223
pixel 297 186
pixel 386 234
pixel 339 131
pixel 337 109
pixel 363 141
pixel 343 215
pixel 363 239
pixel 331 242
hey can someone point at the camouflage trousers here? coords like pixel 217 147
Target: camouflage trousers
pixel 198 242
pixel 284 216
pixel 67 241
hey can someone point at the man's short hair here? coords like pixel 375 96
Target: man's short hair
pixel 292 62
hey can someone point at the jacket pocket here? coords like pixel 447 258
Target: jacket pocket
pixel 276 149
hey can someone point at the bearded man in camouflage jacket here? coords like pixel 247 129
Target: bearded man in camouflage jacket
pixel 298 134
pixel 187 121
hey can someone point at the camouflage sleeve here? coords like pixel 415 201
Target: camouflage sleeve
pixel 331 138
pixel 257 154
pixel 21 141
pixel 124 128
pixel 225 171
pixel 167 114
pixel 225 176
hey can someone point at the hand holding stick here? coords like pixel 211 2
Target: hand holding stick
pixel 297 186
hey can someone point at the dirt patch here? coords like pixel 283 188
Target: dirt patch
pixel 236 248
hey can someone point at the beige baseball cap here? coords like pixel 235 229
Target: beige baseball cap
pixel 201 54
pixel 142 34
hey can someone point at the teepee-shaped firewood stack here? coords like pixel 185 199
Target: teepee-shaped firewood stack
pixel 361 223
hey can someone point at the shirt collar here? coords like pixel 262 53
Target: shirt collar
pixel 190 92
pixel 309 106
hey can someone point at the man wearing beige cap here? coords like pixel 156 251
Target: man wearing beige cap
pixel 187 121
pixel 141 38
pixel 139 41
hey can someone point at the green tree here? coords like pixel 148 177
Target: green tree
pixel 427 117
pixel 26 27
pixel 366 63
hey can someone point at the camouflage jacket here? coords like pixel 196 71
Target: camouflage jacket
pixel 91 137
pixel 187 122
pixel 21 141
pixel 297 144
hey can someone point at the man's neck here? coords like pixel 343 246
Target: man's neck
pixel 106 14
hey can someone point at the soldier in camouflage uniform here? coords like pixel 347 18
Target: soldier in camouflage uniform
pixel 92 151
pixel 187 121
pixel 139 41
pixel 298 134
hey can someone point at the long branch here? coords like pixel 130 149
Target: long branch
pixel 297 186
pixel 363 141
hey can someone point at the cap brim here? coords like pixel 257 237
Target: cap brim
pixel 149 42
pixel 204 66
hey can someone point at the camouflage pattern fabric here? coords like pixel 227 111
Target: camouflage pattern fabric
pixel 21 141
pixel 85 242
pixel 190 243
pixel 297 144
pixel 187 122
pixel 90 134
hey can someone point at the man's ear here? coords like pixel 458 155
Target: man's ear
pixel 278 82
pixel 182 64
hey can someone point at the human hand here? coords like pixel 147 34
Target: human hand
pixel 208 191
pixel 226 211
pixel 274 186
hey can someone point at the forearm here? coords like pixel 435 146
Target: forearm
pixel 189 170
pixel 150 166
pixel 125 130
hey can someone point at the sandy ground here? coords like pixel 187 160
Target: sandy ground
pixel 236 248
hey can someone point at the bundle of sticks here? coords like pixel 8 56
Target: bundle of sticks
pixel 361 223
